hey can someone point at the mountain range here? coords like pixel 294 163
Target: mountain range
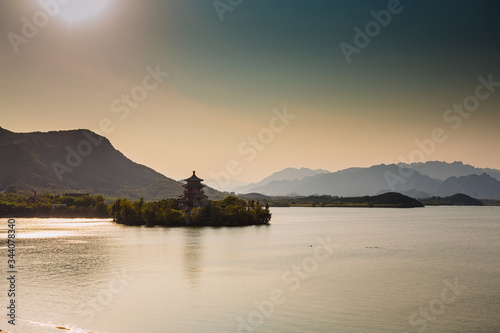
pixel 78 161
pixel 83 161
pixel 417 180
pixel 442 171
pixel 285 174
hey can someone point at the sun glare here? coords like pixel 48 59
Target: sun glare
pixel 81 10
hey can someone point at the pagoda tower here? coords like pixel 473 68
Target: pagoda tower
pixel 193 190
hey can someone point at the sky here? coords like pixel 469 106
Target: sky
pixel 245 88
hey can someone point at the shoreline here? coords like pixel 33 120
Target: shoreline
pixel 277 206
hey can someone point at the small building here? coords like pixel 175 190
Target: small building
pixel 193 191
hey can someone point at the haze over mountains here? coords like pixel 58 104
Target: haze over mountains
pixel 441 170
pixel 418 180
pixel 285 174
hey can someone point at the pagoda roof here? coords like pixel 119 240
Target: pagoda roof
pixel 193 178
pixel 193 185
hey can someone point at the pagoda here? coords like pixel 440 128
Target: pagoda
pixel 193 190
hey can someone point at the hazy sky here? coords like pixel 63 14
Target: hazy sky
pixel 230 63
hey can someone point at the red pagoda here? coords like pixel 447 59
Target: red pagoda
pixel 193 190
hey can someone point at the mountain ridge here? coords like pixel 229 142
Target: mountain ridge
pixel 289 173
pixel 442 170
pixel 383 178
pixel 78 160
pixel 81 160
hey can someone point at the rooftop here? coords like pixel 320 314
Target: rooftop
pixel 193 178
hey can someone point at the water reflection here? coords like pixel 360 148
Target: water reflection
pixel 192 256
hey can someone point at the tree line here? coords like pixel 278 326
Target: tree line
pixel 229 212
pixel 50 205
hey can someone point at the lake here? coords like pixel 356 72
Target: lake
pixel 433 269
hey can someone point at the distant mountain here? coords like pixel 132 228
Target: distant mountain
pixel 353 182
pixel 492 172
pixel 77 160
pixel 443 170
pixel 80 160
pixel 285 174
pixel 224 185
pixel 381 179
pixel 477 186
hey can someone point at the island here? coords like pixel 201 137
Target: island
pixel 229 212
pixel 193 208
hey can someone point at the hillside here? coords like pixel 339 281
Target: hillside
pixel 458 199
pixel 77 160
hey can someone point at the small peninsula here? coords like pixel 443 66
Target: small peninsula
pixel 385 200
pixel 458 199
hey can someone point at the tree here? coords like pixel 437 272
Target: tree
pixel 197 216
pixel 116 208
pixel 150 213
pixel 251 204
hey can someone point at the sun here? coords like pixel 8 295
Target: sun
pixel 75 11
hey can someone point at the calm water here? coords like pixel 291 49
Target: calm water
pixel 434 269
